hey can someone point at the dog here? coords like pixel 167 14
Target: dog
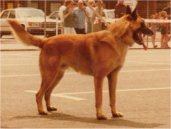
pixel 99 54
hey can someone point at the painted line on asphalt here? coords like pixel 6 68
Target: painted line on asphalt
pixel 5 65
pixel 21 75
pixel 146 70
pixel 28 64
pixel 70 97
pixel 120 90
pixel 19 56
pixel 74 73
pixel 148 62
pixel 60 95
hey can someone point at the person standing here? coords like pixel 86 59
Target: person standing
pixel 80 17
pixel 69 18
pixel 164 30
pixel 154 27
pixel 168 10
pixel 120 9
pixel 61 9
pixel 97 25
pixel 90 5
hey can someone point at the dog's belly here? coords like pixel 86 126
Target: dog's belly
pixel 89 67
pixel 80 64
pixel 84 63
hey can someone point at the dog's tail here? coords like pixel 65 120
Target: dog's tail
pixel 24 36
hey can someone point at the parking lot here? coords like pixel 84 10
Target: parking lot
pixel 143 93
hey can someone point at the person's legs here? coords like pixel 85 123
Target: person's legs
pixel 153 39
pixel 80 31
pixel 166 40
pixel 162 41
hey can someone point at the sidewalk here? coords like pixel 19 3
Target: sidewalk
pixel 7 43
pixel 16 47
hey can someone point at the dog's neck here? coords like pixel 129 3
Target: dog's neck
pixel 121 31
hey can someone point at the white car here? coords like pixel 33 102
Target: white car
pixel 32 20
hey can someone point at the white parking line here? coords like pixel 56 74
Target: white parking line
pixel 69 95
pixel 74 73
pixel 146 70
pixel 5 65
pixel 19 55
pixel 21 75
pixel 60 95
pixel 121 90
pixel 149 62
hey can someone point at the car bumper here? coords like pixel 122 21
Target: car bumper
pixel 40 31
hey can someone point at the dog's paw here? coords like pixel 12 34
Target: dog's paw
pixel 101 117
pixel 50 109
pixel 43 113
pixel 117 114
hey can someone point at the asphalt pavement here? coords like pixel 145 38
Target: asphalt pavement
pixel 143 93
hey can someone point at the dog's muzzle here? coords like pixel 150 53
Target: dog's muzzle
pixel 140 33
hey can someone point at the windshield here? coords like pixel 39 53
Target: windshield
pixel 30 13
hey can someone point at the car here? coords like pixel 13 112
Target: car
pixel 54 15
pixel 32 20
pixel 109 15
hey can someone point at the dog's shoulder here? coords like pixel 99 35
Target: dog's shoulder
pixel 100 35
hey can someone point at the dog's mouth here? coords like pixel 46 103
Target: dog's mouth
pixel 140 33
pixel 138 37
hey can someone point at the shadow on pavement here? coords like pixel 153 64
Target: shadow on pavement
pixel 113 122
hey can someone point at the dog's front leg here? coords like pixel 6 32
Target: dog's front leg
pixel 98 82
pixel 112 79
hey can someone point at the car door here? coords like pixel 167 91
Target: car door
pixel 4 27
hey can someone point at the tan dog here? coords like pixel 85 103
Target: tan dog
pixel 100 54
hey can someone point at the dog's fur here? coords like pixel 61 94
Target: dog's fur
pixel 100 54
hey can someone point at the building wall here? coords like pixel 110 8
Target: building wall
pixel 145 7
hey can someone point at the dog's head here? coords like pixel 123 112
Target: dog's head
pixel 138 26
pixel 130 28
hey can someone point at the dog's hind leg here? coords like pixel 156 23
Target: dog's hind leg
pixel 39 97
pixel 59 76
pixel 49 69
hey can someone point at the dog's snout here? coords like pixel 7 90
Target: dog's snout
pixel 145 30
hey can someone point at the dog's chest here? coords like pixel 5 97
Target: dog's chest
pixel 119 61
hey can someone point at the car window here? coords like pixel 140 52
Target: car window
pixel 54 15
pixel 5 14
pixel 25 13
pixel 109 13
pixel 12 14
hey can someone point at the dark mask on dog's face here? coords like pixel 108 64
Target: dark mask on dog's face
pixel 141 29
pixel 140 32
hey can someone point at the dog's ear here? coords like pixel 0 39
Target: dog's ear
pixel 134 14
pixel 128 10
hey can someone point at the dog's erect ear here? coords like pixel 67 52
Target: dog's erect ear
pixel 128 10
pixel 134 14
